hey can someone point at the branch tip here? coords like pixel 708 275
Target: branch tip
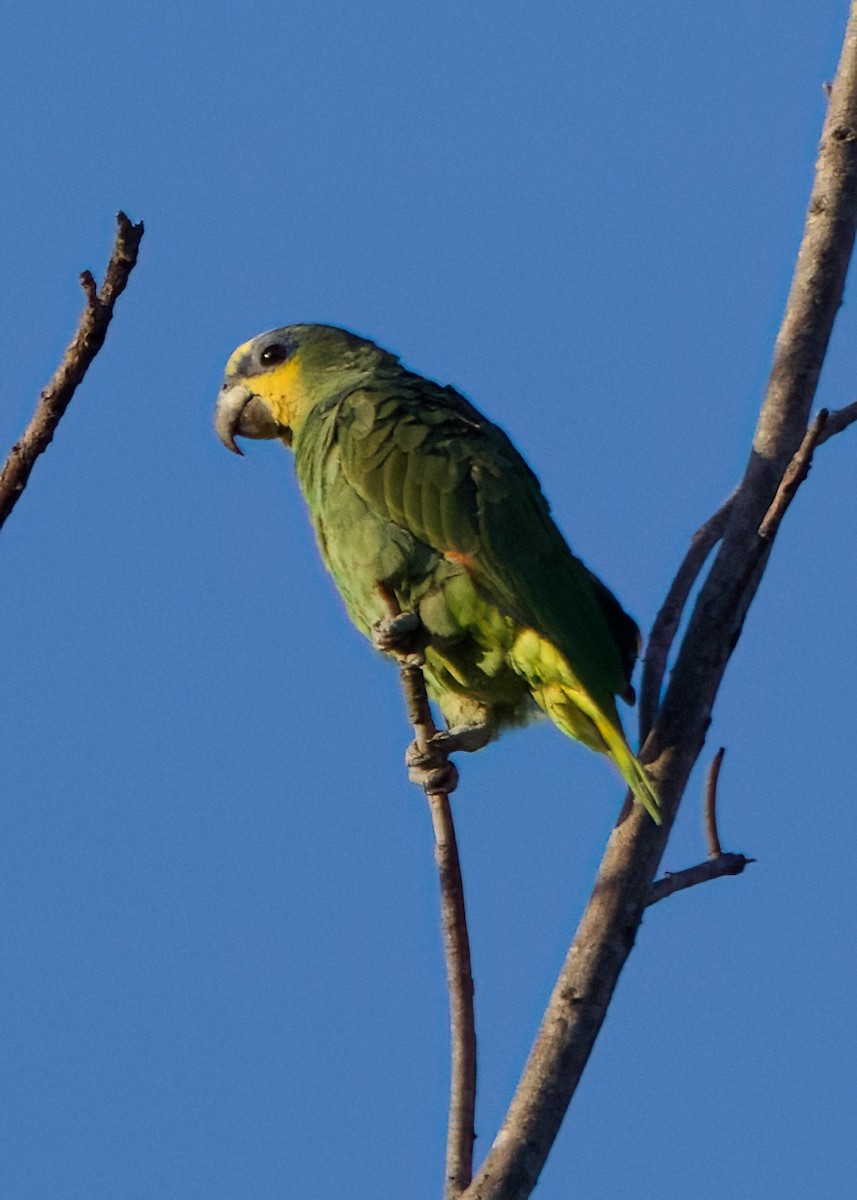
pixel 90 287
pixel 84 346
pixel 836 421
pixel 679 881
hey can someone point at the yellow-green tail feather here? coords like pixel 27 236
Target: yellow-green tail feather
pixel 578 716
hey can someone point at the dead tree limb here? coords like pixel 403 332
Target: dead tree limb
pixel 717 864
pixel 668 619
pixel 704 872
pixel 56 397
pixel 838 420
pixel 712 833
pixel 609 925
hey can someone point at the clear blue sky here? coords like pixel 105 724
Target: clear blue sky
pixel 221 968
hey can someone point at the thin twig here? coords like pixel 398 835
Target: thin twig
pixel 607 930
pixel 667 621
pixel 461 1133
pixel 56 397
pixel 712 836
pixel 838 420
pixel 796 473
pixel 717 864
pixel 712 868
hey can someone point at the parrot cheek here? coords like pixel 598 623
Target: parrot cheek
pixel 241 413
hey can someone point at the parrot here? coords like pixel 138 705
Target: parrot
pixel 419 500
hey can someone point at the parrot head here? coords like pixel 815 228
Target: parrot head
pixel 273 381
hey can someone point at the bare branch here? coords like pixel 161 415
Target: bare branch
pixel 711 834
pixel 608 928
pixel 55 399
pixel 838 420
pixel 796 473
pixel 718 864
pixel 712 868
pixel 461 1133
pixel 669 616
pixel 793 476
pixel 668 619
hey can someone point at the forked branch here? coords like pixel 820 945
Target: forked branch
pixel 717 864
pixel 606 933
pixel 669 617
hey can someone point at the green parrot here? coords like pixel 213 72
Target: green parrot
pixel 418 498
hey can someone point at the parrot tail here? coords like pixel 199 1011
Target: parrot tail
pixel 630 768
pixel 634 774
pixel 598 726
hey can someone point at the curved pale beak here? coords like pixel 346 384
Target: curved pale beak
pixel 241 412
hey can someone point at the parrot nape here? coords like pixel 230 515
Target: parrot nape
pixel 415 495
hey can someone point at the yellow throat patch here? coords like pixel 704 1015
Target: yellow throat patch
pixel 283 389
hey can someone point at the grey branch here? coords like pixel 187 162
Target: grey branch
pixel 669 616
pixel 795 474
pixel 838 420
pixel 717 864
pixel 461 1132
pixel 610 922
pixel 437 784
pixel 668 619
pixel 712 833
pixel 712 868
pixel 56 397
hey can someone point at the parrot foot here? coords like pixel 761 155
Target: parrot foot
pixel 468 738
pixel 446 741
pixel 438 775
pixel 399 635
pixel 431 769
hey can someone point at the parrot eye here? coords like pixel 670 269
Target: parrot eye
pixel 274 354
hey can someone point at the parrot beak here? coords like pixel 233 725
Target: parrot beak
pixel 239 411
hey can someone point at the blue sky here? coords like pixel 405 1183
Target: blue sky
pixel 221 968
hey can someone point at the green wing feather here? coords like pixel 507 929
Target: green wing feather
pixel 409 473
pixel 425 459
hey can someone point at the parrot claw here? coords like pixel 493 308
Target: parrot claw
pixel 431 769
pixel 468 738
pixel 398 635
pixel 442 777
